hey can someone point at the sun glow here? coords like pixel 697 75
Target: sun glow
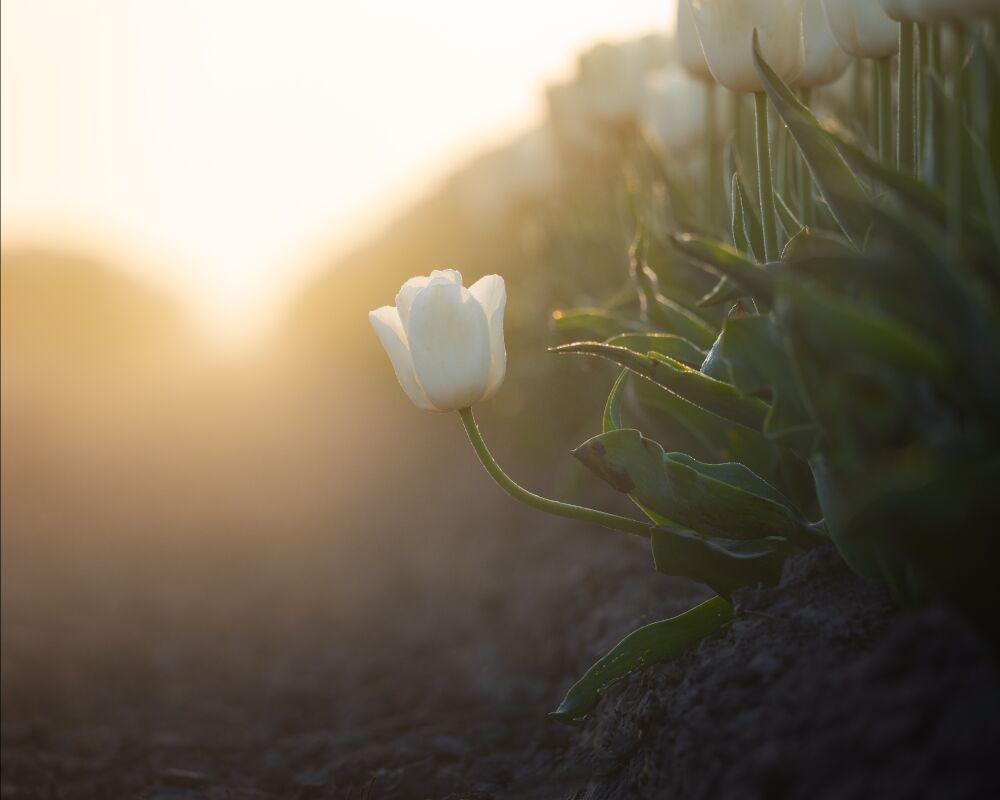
pixel 244 143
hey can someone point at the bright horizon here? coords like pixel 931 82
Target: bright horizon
pixel 220 149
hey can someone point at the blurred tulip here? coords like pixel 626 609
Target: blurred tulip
pixel 940 10
pixel 689 50
pixel 672 112
pixel 824 61
pixel 611 75
pixel 862 28
pixel 445 342
pixel 726 29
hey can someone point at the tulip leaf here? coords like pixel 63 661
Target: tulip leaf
pixel 752 229
pixel 720 438
pixel 724 565
pixel 758 362
pixel 612 418
pixel 644 647
pixel 725 291
pixel 827 321
pixel 667 343
pixel 668 314
pixel 788 219
pixel 695 387
pixel 595 321
pixel 726 501
pixel 723 260
pixel 839 187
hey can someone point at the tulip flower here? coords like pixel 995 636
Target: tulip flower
pixel 726 28
pixel 862 28
pixel 823 61
pixel 446 346
pixel 612 74
pixel 445 342
pixel 689 50
pixel 672 111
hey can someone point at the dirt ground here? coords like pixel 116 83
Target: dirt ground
pixel 272 681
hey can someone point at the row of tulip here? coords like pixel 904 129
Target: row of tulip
pixel 850 391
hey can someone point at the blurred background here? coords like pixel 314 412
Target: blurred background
pixel 210 478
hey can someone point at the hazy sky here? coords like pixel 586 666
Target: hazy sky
pixel 224 144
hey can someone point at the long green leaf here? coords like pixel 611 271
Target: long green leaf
pixel 649 645
pixel 758 361
pixel 595 321
pixel 724 565
pixel 718 397
pixel 667 343
pixel 723 260
pixel 725 502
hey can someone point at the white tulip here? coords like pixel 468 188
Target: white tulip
pixel 689 50
pixel 726 29
pixel 673 111
pixel 824 60
pixel 940 10
pixel 445 341
pixel 862 28
pixel 611 76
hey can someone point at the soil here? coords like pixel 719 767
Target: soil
pixel 274 681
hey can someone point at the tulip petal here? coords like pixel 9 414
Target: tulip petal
pixel 450 344
pixel 408 291
pixel 389 329
pixel 491 293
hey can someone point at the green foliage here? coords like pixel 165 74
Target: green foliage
pixel 651 644
pixel 848 391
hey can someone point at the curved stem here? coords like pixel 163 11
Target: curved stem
pixel 906 113
pixel 764 181
pixel 612 521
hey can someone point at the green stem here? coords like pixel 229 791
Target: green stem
pixel 736 105
pixel 764 181
pixel 805 179
pixel 953 153
pixel 612 521
pixel 906 126
pixel 714 155
pixel 934 51
pixel 923 89
pixel 883 72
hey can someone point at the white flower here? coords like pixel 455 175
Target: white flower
pixel 610 75
pixel 673 111
pixel 862 28
pixel 940 10
pixel 445 341
pixel 689 50
pixel 824 60
pixel 726 29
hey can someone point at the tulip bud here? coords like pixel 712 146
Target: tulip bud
pixel 940 10
pixel 824 61
pixel 862 28
pixel 445 342
pixel 726 29
pixel 689 50
pixel 672 112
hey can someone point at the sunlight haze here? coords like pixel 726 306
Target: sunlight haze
pixel 226 147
